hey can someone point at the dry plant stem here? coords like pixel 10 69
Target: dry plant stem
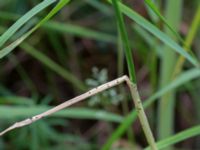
pixel 142 116
pixel 134 93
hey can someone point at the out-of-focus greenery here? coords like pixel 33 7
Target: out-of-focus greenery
pixel 52 51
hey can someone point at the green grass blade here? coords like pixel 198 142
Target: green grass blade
pixel 79 31
pixel 180 80
pixel 53 66
pixel 9 112
pixel 156 32
pixel 72 29
pixel 25 18
pixel 15 100
pixel 5 51
pixel 183 135
pixel 156 11
pixel 125 41
pixel 166 106
pixel 188 41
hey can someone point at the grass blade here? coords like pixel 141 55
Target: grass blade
pixel 166 105
pixel 5 51
pixel 156 32
pixel 125 41
pixel 156 11
pixel 53 66
pixel 183 135
pixel 74 113
pixel 188 41
pixel 25 18
pixel 79 31
pixel 132 83
pixel 72 29
pixel 127 122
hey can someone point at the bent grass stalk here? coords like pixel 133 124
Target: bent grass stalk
pixel 94 91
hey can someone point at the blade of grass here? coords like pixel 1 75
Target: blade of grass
pixel 166 105
pixel 156 32
pixel 120 69
pixel 9 112
pixel 125 41
pixel 183 135
pixel 5 51
pixel 132 83
pixel 15 100
pixel 25 18
pixel 79 31
pixel 100 6
pixel 53 66
pixel 166 22
pixel 67 28
pixel 188 41
pixel 127 122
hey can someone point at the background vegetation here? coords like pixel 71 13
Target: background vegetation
pixel 52 51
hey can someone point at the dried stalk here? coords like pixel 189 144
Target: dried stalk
pixel 94 91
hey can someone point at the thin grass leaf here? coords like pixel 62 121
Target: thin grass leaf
pixel 132 84
pixel 25 18
pixel 79 31
pixel 188 41
pixel 125 41
pixel 183 135
pixel 10 112
pixel 54 66
pixel 72 29
pixel 156 32
pixel 15 100
pixel 166 106
pixel 5 51
pixel 156 11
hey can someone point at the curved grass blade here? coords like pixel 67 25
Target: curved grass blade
pixel 156 11
pixel 25 18
pixel 188 41
pixel 9 112
pixel 183 135
pixel 67 28
pixel 5 51
pixel 54 66
pixel 180 80
pixel 156 32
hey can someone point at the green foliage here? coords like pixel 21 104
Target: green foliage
pixel 49 53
